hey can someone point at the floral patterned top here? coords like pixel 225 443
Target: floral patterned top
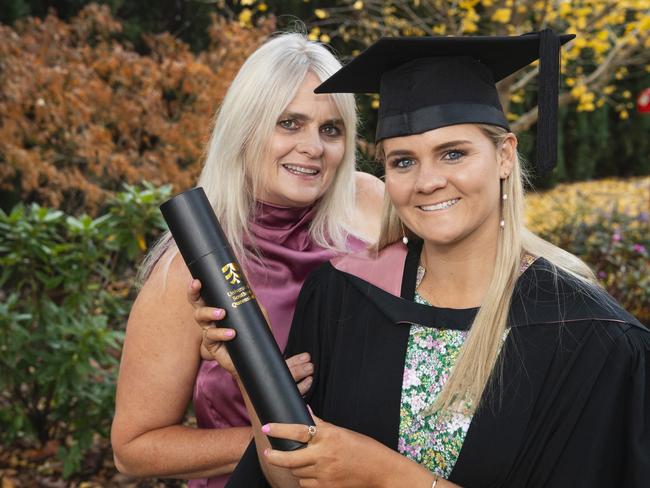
pixel 434 440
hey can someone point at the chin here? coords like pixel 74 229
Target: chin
pixel 442 238
pixel 302 199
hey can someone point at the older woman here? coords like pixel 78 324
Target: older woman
pixel 280 175
pixel 479 355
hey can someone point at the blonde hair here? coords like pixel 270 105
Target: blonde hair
pixel 478 356
pixel 238 146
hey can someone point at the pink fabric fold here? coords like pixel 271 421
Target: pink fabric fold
pixel 378 269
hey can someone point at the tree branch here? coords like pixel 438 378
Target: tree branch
pixel 594 81
pixel 524 80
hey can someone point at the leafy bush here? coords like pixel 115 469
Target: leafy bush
pixel 82 113
pixel 64 300
pixel 606 224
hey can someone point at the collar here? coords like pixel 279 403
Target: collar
pixel 543 293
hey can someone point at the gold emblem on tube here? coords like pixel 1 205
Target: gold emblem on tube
pixel 231 274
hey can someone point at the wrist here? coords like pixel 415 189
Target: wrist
pixel 403 471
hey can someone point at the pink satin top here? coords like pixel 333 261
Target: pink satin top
pixel 289 255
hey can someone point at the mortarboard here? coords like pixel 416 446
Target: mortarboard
pixel 429 82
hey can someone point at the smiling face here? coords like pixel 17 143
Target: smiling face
pixel 445 183
pixel 305 150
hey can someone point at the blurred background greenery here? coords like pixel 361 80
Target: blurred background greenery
pixel 104 112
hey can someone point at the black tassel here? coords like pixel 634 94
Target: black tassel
pixel 549 80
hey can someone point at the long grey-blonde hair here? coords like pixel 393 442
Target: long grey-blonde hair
pixel 244 123
pixel 478 356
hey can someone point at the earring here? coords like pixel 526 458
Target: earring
pixel 405 239
pixel 504 198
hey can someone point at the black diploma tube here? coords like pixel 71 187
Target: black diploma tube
pixel 254 352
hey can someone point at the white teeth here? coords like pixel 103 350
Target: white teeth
pixel 440 206
pixel 300 170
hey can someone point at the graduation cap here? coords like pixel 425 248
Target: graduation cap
pixel 429 82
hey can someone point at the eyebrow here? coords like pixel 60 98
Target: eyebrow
pixel 436 149
pixel 293 115
pixel 304 118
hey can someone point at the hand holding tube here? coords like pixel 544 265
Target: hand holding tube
pixel 254 352
pixel 214 339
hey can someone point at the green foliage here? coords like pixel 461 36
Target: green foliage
pixel 64 283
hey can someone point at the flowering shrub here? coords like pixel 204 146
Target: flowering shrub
pixel 606 224
pixel 82 113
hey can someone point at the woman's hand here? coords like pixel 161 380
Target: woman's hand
pixel 215 337
pixel 334 456
pixel 340 458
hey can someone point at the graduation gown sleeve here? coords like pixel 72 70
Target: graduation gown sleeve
pixel 574 403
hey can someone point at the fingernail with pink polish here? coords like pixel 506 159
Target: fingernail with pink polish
pixel 230 333
pixel 266 429
pixel 266 452
pixel 218 313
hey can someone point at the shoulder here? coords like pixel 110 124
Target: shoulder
pixel 168 272
pixel 323 277
pixel 369 192
pixel 166 285
pixel 547 294
pixel 368 185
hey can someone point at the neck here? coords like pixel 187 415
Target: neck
pixel 458 275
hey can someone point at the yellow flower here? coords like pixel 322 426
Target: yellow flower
pixel 626 94
pixel 580 42
pixel 245 17
pixel 565 9
pixel 141 242
pixel 609 89
pixel 501 15
pixel 314 34
pixel 262 7
pixel 358 5
pixel 324 38
pixel 467 26
pixel 624 115
pixel 587 97
pixel 578 90
pixel 321 14
pixel 375 104
pixel 247 2
pixel 439 30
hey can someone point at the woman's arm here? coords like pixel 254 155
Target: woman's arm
pixel 159 363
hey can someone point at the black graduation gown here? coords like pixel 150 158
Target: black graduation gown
pixel 574 408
